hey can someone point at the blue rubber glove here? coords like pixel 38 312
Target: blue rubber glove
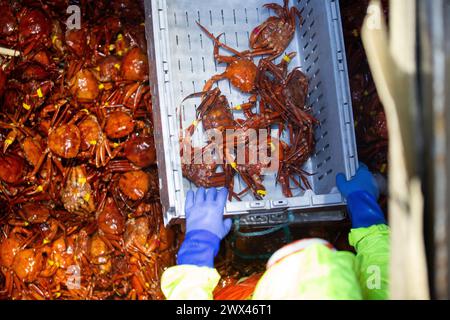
pixel 205 227
pixel 362 194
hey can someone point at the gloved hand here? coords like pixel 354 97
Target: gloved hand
pixel 362 194
pixel 205 226
pixel 362 181
pixel 204 211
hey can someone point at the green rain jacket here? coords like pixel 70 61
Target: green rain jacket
pixel 315 272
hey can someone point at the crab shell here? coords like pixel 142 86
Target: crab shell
pixel 65 141
pixel 77 193
pixel 242 74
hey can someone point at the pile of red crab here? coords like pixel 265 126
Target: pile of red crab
pixel 80 214
pixel 277 100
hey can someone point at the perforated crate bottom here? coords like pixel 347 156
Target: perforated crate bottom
pixel 184 60
pixel 236 25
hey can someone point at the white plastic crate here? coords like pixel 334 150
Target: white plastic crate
pixel 182 60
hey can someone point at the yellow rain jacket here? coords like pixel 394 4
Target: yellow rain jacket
pixel 299 271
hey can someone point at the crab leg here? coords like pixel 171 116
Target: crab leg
pixel 217 42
